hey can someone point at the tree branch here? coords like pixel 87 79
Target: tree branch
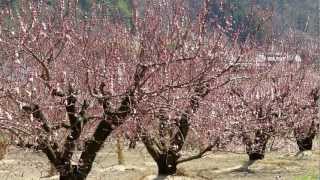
pixel 198 156
pixel 111 120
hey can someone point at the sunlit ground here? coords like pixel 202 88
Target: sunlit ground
pixel 283 165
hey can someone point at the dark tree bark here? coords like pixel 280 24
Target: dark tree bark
pixel 77 119
pixel 167 164
pixel 256 149
pixel 133 141
pixel 305 142
pixel 167 154
pixel 132 144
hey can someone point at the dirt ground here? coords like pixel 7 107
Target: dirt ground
pixel 21 164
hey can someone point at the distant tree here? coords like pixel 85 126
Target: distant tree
pixel 275 101
pixel 305 119
pixel 242 19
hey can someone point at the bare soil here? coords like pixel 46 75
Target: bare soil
pixel 27 165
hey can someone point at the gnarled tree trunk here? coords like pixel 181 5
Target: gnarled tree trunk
pixel 256 148
pixel 112 118
pixel 166 154
pixel 167 164
pixel 305 142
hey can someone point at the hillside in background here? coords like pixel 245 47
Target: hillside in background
pixel 248 16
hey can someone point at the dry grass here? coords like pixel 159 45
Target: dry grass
pixel 25 165
pixel 4 143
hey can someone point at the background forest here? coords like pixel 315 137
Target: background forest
pixel 294 15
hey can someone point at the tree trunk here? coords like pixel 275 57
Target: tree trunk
pixel 167 165
pixel 132 144
pixel 256 149
pixel 92 147
pixel 72 176
pixel 67 172
pixel 253 156
pixel 120 151
pixel 68 177
pixel 305 144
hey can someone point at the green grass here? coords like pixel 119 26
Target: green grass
pixel 308 177
pixel 312 174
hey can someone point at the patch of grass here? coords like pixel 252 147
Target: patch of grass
pixel 308 177
pixel 280 163
pixel 316 152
